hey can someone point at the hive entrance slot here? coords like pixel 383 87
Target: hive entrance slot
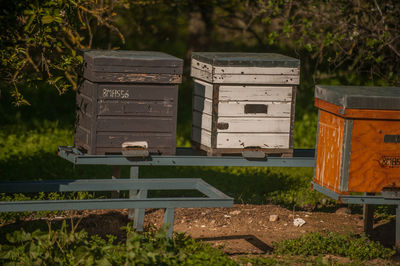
pixel 253 153
pixel 391 192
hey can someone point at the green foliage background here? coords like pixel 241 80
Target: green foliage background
pixel 338 42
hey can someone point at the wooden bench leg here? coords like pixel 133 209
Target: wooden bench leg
pixel 169 217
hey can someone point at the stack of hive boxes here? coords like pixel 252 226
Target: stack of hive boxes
pixel 244 101
pixel 128 96
pixel 358 141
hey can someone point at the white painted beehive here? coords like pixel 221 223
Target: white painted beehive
pixel 244 101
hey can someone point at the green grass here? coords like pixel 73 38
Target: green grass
pixel 63 244
pixel 68 246
pixel 351 246
pixel 30 153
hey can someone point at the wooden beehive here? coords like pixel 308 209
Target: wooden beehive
pixel 358 141
pixel 128 96
pixel 244 101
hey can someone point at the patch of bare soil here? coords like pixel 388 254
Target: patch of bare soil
pixel 247 229
pixel 243 229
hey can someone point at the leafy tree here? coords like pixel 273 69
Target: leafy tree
pixel 333 38
pixel 359 36
pixel 40 40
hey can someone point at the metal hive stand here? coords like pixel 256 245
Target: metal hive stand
pixel 138 188
pixel 185 157
pixel 367 200
pixel 213 197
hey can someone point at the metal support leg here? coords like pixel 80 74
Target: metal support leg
pixel 368 216
pixel 398 228
pixel 169 217
pixel 134 174
pixel 136 214
pixel 116 174
pixel 138 217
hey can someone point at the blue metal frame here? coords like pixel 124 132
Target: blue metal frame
pixel 356 199
pixel 213 197
pixel 110 185
pixel 97 204
pixel 368 200
pixel 186 157
pixel 138 187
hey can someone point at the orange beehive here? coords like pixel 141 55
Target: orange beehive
pixel 358 138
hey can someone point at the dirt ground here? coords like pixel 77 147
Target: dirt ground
pixel 243 229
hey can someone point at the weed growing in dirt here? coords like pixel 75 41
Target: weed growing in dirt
pixel 351 246
pixel 68 246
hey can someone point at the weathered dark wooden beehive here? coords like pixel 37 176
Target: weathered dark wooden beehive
pixel 244 101
pixel 128 96
pixel 358 138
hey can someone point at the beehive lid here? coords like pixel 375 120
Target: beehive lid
pixel 132 58
pixel 360 97
pixel 246 59
pixel 132 66
pixel 245 68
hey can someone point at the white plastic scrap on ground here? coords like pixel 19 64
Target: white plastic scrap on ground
pixel 298 222
pixel 273 218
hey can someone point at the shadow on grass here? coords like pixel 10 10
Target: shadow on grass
pixel 48 166
pixel 385 233
pixel 253 240
pixel 246 184
pixel 288 187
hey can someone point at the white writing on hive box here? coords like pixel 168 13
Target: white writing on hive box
pixel 115 93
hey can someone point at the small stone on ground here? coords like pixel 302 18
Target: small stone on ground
pixel 342 211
